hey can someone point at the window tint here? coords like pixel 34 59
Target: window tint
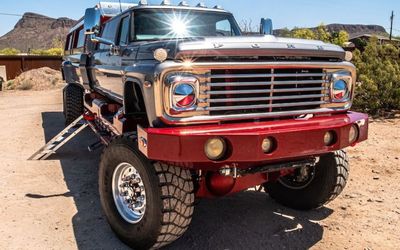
pixel 171 24
pixel 81 39
pixel 109 32
pixel 224 28
pixel 68 42
pixel 124 32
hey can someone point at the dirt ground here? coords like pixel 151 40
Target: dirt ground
pixel 54 204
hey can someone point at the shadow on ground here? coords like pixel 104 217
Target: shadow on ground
pixel 248 220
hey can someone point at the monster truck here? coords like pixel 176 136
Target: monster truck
pixel 188 107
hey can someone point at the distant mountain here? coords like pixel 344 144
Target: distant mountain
pixel 34 31
pixel 352 29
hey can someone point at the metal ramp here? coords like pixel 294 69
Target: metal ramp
pixel 60 140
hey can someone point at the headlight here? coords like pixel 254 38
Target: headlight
pixel 341 86
pixel 183 92
pixel 183 95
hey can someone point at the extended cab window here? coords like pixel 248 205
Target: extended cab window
pixel 81 39
pixel 124 31
pixel 170 24
pixel 109 32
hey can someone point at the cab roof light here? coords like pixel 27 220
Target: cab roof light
pixel 166 2
pixel 201 5
pixel 218 7
pixel 143 2
pixel 183 3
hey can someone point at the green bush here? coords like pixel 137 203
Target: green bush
pixel 47 52
pixel 379 78
pixel 9 51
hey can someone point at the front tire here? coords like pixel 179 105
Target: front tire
pixel 167 191
pixel 325 183
pixel 73 103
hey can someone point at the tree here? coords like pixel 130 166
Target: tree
pixel 304 34
pixel 379 74
pixel 246 26
pixel 340 38
pixel 323 34
pixel 285 32
pixel 9 51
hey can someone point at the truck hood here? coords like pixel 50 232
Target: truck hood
pixel 242 47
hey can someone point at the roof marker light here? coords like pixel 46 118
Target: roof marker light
pixel 183 3
pixel 143 2
pixel 218 7
pixel 201 5
pixel 166 2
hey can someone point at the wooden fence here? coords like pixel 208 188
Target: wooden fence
pixel 15 65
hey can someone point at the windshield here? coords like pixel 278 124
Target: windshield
pixel 172 23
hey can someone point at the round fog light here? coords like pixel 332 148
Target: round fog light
pixel 329 138
pixel 215 148
pixel 353 134
pixel 268 145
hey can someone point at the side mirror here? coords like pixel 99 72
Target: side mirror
pixel 92 21
pixel 266 27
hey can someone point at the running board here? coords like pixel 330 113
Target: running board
pixel 60 140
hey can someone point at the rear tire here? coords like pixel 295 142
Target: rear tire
pixel 169 197
pixel 328 181
pixel 73 103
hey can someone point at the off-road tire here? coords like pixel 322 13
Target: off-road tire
pixel 73 103
pixel 331 174
pixel 169 197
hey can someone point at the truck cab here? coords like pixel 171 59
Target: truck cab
pixel 187 106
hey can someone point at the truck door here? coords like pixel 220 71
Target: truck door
pixel 107 63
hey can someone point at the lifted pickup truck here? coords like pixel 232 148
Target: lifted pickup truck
pixel 188 108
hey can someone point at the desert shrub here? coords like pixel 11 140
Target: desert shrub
pixel 47 52
pixel 9 51
pixel 10 85
pixel 321 33
pixel 379 77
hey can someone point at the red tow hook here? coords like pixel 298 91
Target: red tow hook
pixel 88 117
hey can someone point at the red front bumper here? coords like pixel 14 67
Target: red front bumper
pixel 295 139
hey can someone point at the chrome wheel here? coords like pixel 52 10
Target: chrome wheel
pixel 129 193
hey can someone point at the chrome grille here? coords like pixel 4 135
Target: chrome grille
pixel 243 91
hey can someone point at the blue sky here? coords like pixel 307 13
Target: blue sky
pixel 284 13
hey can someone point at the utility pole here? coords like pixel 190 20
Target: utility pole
pixel 391 25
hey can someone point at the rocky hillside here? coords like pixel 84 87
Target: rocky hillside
pixel 352 29
pixel 357 29
pixel 34 31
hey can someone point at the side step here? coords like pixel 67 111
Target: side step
pixel 60 140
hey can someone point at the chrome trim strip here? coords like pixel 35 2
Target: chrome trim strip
pixel 255 99
pixel 238 84
pixel 217 119
pixel 261 91
pixel 219 76
pixel 264 106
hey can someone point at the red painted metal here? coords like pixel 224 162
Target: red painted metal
pixel 240 184
pixel 220 185
pixel 184 146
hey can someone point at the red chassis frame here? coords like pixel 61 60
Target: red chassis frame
pixel 296 139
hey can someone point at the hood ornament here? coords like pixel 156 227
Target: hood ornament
pixel 255 46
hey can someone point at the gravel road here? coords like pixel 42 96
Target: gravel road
pixel 54 204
